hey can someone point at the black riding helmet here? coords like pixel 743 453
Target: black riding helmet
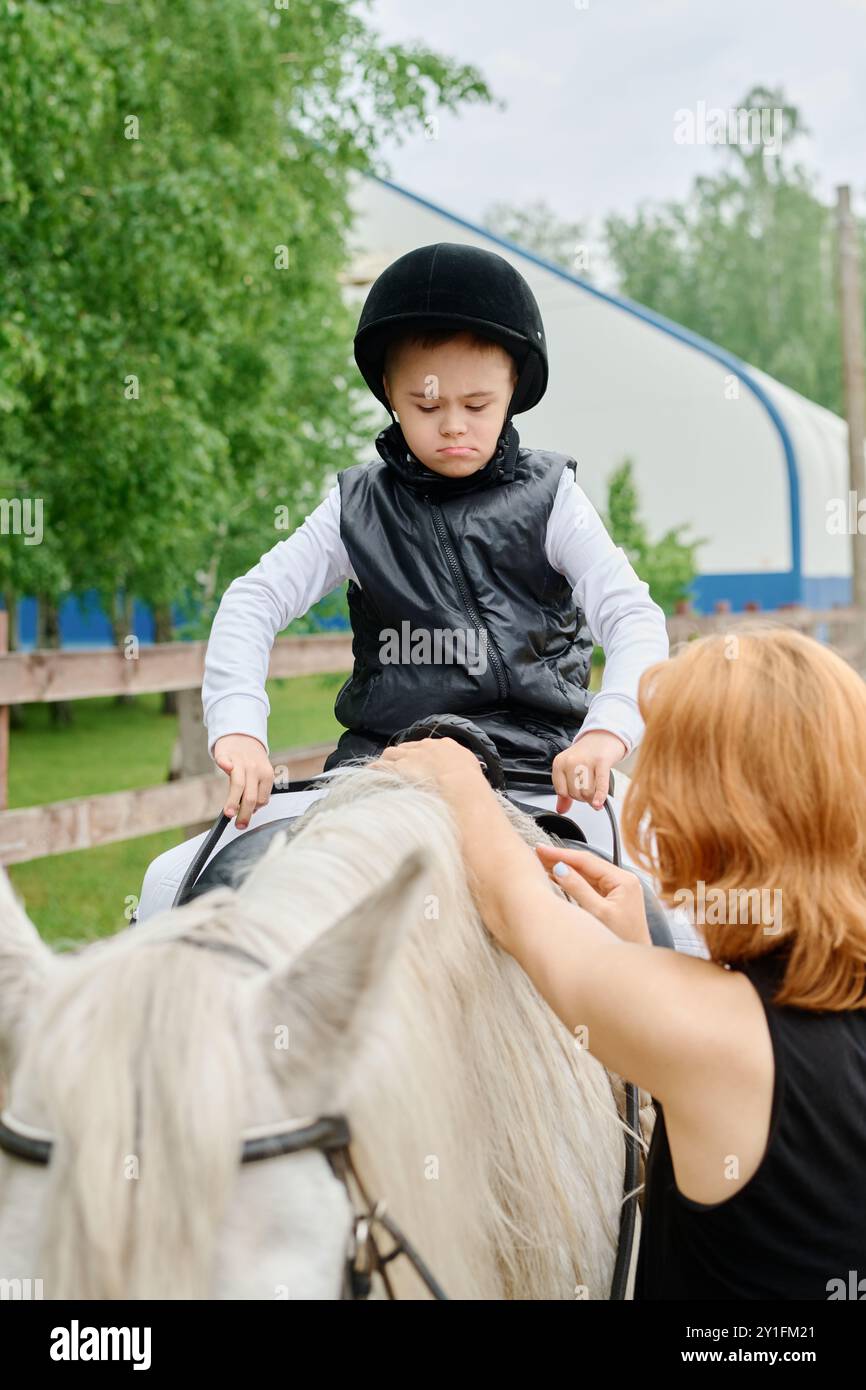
pixel 446 285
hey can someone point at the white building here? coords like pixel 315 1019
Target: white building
pixel 717 446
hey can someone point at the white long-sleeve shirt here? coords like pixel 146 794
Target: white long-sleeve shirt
pixel 308 564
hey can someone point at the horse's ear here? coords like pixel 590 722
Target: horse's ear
pixel 25 961
pixel 316 1012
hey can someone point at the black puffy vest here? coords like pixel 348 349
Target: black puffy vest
pixel 457 608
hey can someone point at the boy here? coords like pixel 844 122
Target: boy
pixel 456 536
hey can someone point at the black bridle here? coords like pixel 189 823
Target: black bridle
pixel 329 1135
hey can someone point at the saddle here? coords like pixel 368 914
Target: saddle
pixel 231 865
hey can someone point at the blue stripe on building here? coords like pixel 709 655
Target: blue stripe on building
pixel 83 623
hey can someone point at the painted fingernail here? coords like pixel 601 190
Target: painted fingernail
pixel 560 869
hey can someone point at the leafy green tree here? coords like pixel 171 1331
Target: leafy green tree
pixel 667 565
pixel 748 260
pixel 535 227
pixel 176 377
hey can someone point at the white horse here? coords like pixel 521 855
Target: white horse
pixel 496 1141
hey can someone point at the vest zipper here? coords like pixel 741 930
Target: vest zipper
pixel 466 593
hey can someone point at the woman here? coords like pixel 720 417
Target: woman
pixel 748 800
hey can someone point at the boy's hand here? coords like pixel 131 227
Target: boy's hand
pixel 250 772
pixel 582 772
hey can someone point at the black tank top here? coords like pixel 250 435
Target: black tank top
pixel 799 1223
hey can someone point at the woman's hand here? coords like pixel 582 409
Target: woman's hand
pixel 582 772
pixel 503 873
pixel 452 768
pixel 613 895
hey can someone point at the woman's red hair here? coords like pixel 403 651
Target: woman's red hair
pixel 751 775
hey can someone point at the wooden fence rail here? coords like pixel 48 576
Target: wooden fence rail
pixel 34 677
pixel 843 629
pixel 34 832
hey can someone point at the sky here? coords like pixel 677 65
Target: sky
pixel 593 87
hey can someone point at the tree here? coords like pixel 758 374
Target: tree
pixel 536 227
pixel 667 565
pixel 176 377
pixel 748 261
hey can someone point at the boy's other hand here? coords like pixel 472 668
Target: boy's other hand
pixel 582 772
pixel 250 773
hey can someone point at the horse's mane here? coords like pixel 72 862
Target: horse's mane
pixel 494 1138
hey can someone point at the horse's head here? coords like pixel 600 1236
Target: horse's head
pixel 144 1063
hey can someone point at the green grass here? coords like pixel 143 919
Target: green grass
pixel 113 747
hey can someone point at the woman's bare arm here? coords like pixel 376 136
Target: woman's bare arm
pixel 688 1031
pixel 684 1029
pixel 657 1017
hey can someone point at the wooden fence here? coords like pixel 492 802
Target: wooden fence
pixel 83 822
pixel 843 629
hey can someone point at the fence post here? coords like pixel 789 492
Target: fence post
pixel 854 390
pixel 190 756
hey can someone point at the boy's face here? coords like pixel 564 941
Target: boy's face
pixel 451 402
